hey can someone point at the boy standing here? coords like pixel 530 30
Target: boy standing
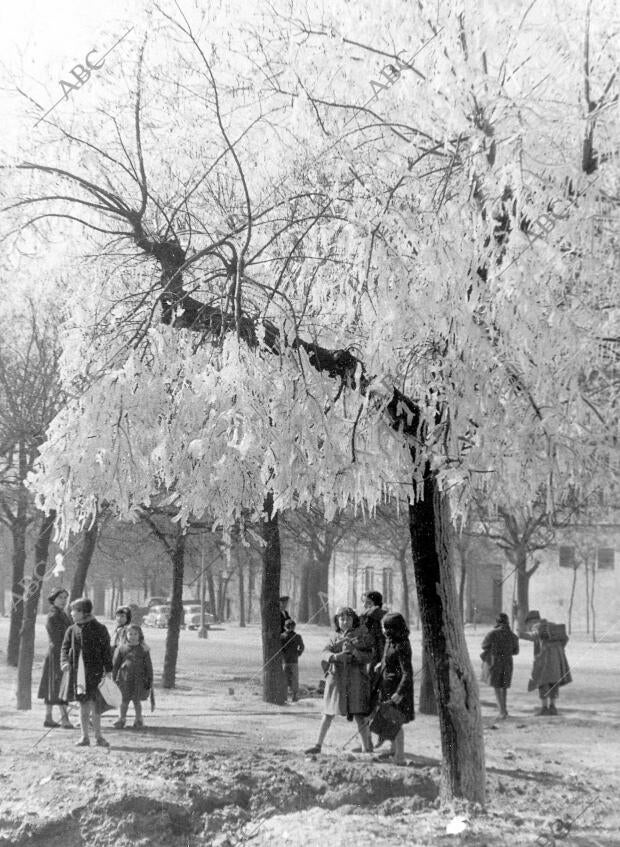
pixel 292 648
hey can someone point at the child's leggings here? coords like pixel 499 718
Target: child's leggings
pixel 137 706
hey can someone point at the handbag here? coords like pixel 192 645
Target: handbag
pixel 386 720
pixel 110 692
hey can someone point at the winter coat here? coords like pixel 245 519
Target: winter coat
pixel 550 663
pixel 91 639
pixel 498 648
pixel 58 622
pixel 396 676
pixel 372 621
pixel 347 683
pixel 292 646
pixel 132 671
pixel 120 636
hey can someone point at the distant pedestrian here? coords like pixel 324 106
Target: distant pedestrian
pixel 347 686
pixel 550 669
pixel 371 618
pixel 498 648
pixel 123 619
pixel 132 671
pixel 87 655
pixel 58 622
pixel 292 646
pixel 284 615
pixel 396 676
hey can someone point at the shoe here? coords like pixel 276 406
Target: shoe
pixel 361 750
pixel 542 711
pixel 83 742
pixel 138 724
pixel 383 757
pixel 552 709
pixel 67 725
pixel 119 724
pixel 311 750
pixel 101 742
pixel 51 724
pixel 503 716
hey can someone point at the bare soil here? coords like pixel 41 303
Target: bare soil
pixel 217 766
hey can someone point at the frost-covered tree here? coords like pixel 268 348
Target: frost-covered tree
pixel 339 254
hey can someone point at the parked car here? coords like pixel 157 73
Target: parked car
pixel 158 616
pixel 191 617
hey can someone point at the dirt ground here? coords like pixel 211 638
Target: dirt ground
pixel 217 766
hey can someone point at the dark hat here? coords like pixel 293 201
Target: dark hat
pixel 502 618
pixel 532 615
pixel 284 598
pixel 375 597
pixel 289 624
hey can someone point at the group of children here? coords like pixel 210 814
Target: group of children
pixel 86 656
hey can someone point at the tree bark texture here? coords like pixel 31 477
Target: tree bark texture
pixel 456 689
pixel 427 703
pixel 176 612
pixel 523 585
pixel 19 526
pixel 31 603
pixel 85 556
pixel 404 576
pixel 274 688
pixel 241 592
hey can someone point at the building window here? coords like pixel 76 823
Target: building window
pixel 387 586
pixel 369 578
pixel 605 557
pixel 567 557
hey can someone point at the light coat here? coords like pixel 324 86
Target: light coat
pixel 347 684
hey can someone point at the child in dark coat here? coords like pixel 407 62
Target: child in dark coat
pixel 498 648
pixel 87 655
pixel 396 675
pixel 133 673
pixel 292 648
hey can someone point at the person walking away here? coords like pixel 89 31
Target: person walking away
pixel 396 676
pixel 132 671
pixel 57 623
pixel 498 647
pixel 347 685
pixel 87 655
pixel 550 669
pixel 292 646
pixel 284 615
pixel 371 618
pixel 123 619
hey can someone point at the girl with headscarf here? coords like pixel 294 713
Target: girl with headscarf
pixel 396 676
pixel 57 623
pixel 123 619
pixel 347 683
pixel 498 648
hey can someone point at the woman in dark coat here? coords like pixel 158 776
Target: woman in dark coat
pixel 58 621
pixel 347 684
pixel 550 669
pixel 396 675
pixel 86 647
pixel 498 648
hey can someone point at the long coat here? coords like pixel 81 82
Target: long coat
pixel 372 621
pixel 132 671
pixel 396 676
pixel 500 645
pixel 92 640
pixel 347 684
pixel 58 621
pixel 550 663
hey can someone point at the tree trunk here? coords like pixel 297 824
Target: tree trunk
pixel 250 588
pixel 462 578
pixel 176 612
pixel 19 527
pixel 456 690
pixel 241 592
pixel 274 689
pixel 303 612
pixel 212 595
pixel 427 702
pixel 89 542
pixel 404 577
pixel 592 607
pixel 26 641
pixel 320 614
pixel 587 573
pixel 572 599
pixel 523 585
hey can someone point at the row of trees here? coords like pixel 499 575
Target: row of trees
pixel 282 292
